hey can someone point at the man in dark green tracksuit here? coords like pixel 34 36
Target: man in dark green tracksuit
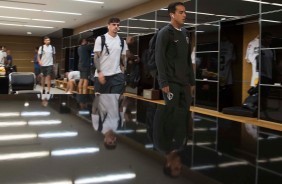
pixel 175 71
pixel 176 78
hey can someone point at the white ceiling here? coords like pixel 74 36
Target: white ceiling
pixel 90 12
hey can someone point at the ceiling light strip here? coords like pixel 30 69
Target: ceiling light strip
pixel 36 10
pixel 59 12
pixel 89 1
pixel 106 178
pixel 17 8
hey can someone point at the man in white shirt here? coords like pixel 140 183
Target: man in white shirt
pixel 107 117
pixel 46 60
pixel 73 77
pixel 3 56
pixel 109 77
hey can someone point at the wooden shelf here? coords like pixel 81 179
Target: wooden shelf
pixel 241 119
pixel 60 84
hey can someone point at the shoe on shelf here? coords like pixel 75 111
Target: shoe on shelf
pixel 43 91
pixel 48 92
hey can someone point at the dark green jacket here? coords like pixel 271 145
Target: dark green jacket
pixel 173 57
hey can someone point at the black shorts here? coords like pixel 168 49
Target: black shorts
pixel 47 70
pixel 115 84
pixel 84 72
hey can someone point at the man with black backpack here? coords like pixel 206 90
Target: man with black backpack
pixel 175 76
pixel 175 70
pixel 110 60
pixel 46 54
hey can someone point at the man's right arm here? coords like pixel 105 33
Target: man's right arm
pixel 97 53
pixel 38 56
pixel 160 54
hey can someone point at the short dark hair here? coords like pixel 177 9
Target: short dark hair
pixel 110 146
pixel 172 7
pixel 46 37
pixel 113 20
pixel 81 40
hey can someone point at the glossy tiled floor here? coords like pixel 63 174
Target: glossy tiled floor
pixel 45 145
pixel 69 150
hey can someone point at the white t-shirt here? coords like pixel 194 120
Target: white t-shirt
pixel 3 55
pixel 227 55
pixel 108 107
pixel 74 75
pixel 251 54
pixel 47 55
pixel 110 63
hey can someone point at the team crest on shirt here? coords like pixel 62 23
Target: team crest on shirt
pixel 187 39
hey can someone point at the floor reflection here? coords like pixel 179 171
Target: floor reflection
pixel 56 143
pixel 64 142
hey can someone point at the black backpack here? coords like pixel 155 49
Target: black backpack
pixel 150 54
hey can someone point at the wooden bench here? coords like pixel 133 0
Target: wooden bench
pixel 61 84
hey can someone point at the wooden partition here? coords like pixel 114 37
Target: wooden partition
pixel 22 50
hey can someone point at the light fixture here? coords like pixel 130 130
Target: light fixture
pixel 75 151
pixel 255 1
pixel 273 21
pixel 149 146
pixel 83 112
pixel 17 8
pixel 45 20
pixel 9 114
pixel 23 18
pixel 20 25
pixel 59 12
pixel 26 104
pixel 44 122
pixel 36 10
pixel 124 131
pixel 203 167
pixel 35 113
pixel 12 123
pixel 20 18
pixel 230 164
pixel 17 137
pixel 45 27
pixel 54 182
pixel 29 33
pixel 26 155
pixel 106 178
pixel 57 134
pixel 141 131
pixel 90 1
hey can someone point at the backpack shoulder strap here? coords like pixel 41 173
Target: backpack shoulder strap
pixel 121 44
pixel 103 44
